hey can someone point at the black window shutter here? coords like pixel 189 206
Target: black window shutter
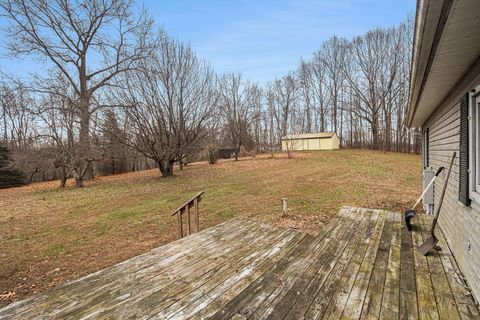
pixel 426 155
pixel 464 194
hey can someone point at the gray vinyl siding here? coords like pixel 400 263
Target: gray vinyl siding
pixel 460 223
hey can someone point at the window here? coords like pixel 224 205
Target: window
pixel 425 148
pixel 476 142
pixel 474 145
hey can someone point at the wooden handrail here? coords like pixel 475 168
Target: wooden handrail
pixel 186 208
pixel 187 202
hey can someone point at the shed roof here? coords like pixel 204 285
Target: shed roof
pixel 316 135
pixel 446 46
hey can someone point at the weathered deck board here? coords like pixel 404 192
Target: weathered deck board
pixel 172 254
pixel 306 296
pixel 339 300
pixel 159 296
pixel 373 300
pixel 245 297
pixel 446 305
pixel 147 284
pixel 427 306
pixel 267 306
pixel 355 301
pixel 318 265
pixel 391 292
pixel 274 284
pixel 408 292
pixel 364 264
pixel 328 289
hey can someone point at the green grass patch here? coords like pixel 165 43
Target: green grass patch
pixel 54 250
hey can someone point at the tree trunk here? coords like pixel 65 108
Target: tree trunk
pixel 334 115
pixel 237 150
pixel 89 173
pixel 79 181
pixel 322 117
pixel 340 136
pixel 84 139
pixel 388 131
pixel 309 116
pixel 351 124
pixel 63 180
pixel 374 126
pixel 30 178
pixel 166 167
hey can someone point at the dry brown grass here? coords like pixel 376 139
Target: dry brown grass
pixel 48 235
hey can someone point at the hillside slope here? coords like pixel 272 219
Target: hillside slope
pixel 48 235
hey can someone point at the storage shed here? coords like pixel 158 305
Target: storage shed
pixel 311 141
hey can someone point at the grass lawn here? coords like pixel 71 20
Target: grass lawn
pixel 48 235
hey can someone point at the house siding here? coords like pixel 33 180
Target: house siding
pixel 460 223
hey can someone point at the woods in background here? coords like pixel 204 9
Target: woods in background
pixel 358 89
pixel 118 95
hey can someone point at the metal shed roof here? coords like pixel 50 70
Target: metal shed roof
pixel 317 135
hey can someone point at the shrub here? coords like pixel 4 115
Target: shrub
pixel 9 177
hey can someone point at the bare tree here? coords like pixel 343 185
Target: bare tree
pixel 333 55
pixel 271 135
pixel 17 122
pixel 169 101
pixel 320 91
pixel 284 105
pixel 171 105
pixel 238 106
pixel 19 127
pixel 60 127
pixel 372 73
pixel 88 42
pixel 305 84
pixel 285 91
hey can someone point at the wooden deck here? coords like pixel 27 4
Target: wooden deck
pixel 363 265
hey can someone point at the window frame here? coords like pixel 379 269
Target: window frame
pixel 426 148
pixel 474 145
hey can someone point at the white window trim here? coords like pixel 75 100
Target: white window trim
pixel 475 197
pixel 425 159
pixel 474 151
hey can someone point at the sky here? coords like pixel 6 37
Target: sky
pixel 261 39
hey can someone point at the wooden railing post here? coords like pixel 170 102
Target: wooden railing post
pixel 197 218
pixel 180 227
pixel 186 207
pixel 189 230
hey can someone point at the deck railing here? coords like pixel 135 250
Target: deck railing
pixel 185 209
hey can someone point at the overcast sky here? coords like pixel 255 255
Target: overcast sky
pixel 262 39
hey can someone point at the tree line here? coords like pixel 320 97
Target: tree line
pixel 118 94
